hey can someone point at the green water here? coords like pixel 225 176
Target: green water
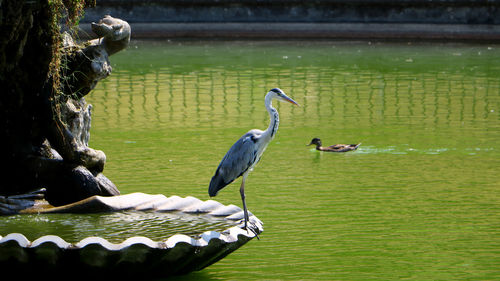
pixel 419 200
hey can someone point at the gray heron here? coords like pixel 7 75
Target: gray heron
pixel 246 152
pixel 335 147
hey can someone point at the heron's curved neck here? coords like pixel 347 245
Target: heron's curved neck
pixel 275 120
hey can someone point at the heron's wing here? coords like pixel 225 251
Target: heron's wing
pixel 240 157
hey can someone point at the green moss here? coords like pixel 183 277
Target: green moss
pixel 71 11
pixel 68 13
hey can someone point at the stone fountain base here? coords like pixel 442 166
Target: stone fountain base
pixel 138 256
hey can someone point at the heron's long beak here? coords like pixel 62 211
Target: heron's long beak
pixel 285 98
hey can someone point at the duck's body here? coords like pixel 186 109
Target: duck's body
pixel 335 147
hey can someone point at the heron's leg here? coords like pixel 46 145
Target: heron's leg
pixel 242 192
pixel 245 211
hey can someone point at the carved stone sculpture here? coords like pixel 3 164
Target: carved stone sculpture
pixel 56 155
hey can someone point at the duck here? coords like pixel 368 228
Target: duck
pixel 335 147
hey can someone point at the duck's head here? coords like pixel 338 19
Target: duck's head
pixel 315 141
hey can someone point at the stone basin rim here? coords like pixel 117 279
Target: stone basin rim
pixel 171 242
pixel 144 202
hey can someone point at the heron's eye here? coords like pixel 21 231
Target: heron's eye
pixel 276 91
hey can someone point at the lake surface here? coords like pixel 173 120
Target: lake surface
pixel 419 200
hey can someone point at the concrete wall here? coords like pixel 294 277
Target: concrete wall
pixel 314 18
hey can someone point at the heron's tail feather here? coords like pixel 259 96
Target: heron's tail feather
pixel 217 183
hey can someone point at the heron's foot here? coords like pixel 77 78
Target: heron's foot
pixel 251 226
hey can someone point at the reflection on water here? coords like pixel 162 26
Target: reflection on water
pixel 115 227
pixel 418 200
pixel 326 94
